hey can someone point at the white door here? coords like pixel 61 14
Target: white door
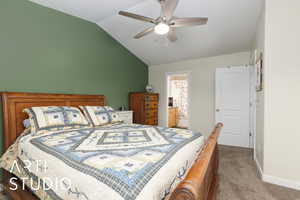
pixel 232 105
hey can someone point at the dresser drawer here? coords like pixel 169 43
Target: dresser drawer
pixel 151 121
pixel 151 113
pixel 151 98
pixel 151 105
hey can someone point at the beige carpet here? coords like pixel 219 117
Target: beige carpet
pixel 239 179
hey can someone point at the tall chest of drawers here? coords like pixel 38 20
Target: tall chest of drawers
pixel 144 107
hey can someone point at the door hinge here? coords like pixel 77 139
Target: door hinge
pixel 250 134
pixel 250 104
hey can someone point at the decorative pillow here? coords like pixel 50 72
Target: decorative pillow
pixel 100 115
pixel 26 123
pixel 52 118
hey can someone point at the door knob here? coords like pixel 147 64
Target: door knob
pixel 218 110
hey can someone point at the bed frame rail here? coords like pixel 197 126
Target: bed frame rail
pixel 201 182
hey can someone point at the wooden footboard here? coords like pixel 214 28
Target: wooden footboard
pixel 201 182
pixel 18 194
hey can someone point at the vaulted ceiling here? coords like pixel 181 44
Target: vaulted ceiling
pixel 231 26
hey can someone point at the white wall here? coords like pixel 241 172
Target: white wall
pixel 282 92
pixel 202 86
pixel 259 46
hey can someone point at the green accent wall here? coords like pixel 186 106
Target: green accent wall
pixel 43 50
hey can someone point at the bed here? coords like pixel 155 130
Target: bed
pixel 195 176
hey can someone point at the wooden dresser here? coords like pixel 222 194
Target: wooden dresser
pixel 144 107
pixel 173 117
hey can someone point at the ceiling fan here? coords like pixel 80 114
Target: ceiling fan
pixel 166 23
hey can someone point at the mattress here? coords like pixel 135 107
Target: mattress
pixel 114 162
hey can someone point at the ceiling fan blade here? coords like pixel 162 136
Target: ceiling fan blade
pixel 138 17
pixel 193 21
pixel 172 35
pixel 168 8
pixel 145 32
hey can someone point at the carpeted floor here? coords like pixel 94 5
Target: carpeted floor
pixel 239 179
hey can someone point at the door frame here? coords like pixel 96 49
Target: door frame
pixel 252 105
pixel 189 80
pixel 252 73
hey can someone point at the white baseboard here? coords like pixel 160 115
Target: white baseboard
pixel 259 169
pixel 276 180
pixel 280 181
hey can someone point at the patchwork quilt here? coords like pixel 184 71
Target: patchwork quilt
pixel 113 162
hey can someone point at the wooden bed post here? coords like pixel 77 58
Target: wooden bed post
pixel 201 182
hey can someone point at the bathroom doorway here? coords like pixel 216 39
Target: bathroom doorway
pixel 178 100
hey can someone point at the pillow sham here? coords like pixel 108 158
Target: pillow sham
pixel 53 118
pixel 100 115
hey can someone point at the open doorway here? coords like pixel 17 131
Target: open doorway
pixel 178 85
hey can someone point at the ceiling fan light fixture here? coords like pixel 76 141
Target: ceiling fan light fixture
pixel 162 28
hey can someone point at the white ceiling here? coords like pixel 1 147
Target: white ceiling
pixel 231 26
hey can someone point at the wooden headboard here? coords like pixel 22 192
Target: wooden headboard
pixel 14 103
